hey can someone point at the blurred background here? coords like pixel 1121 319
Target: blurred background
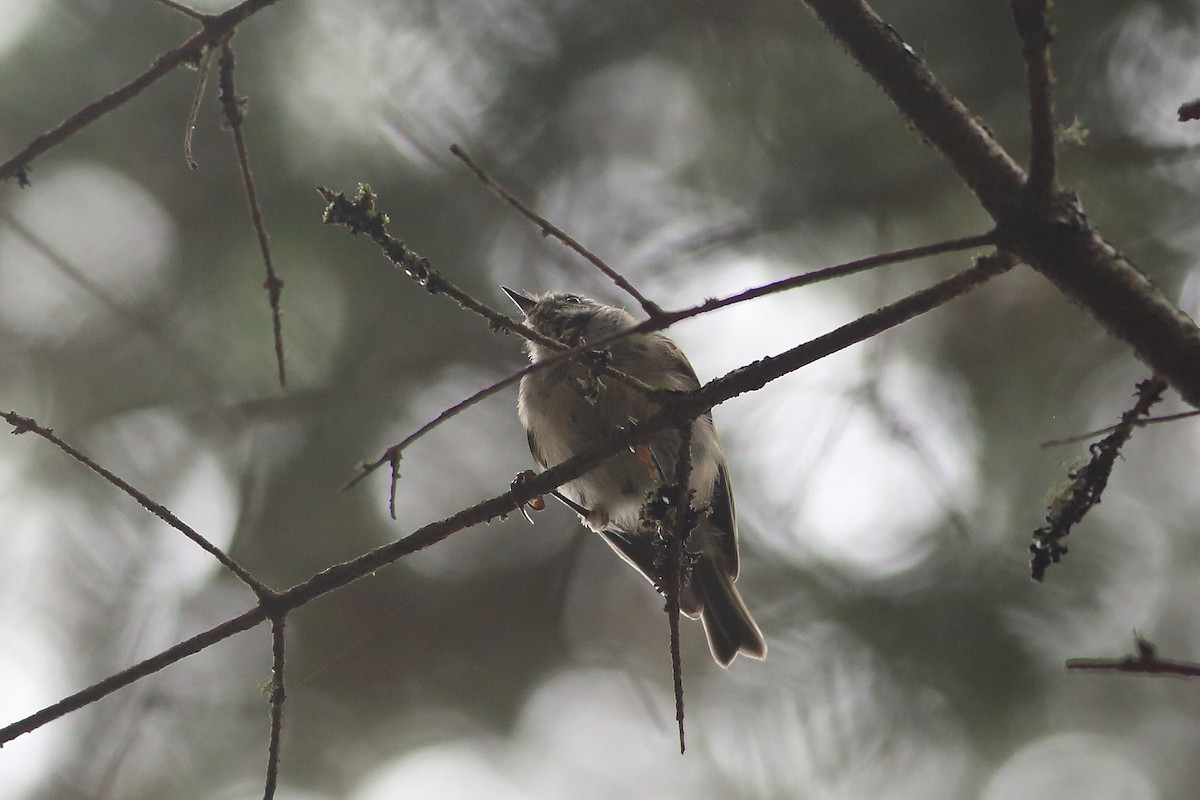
pixel 886 495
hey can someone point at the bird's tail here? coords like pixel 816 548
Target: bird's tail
pixel 727 621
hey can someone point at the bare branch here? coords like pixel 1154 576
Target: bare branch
pixel 120 680
pixel 185 10
pixel 1031 19
pixel 1145 661
pixel 194 110
pixel 677 529
pixel 940 117
pixel 22 424
pixel 394 461
pixel 232 106
pixel 549 229
pixel 277 698
pixel 215 28
pixel 1140 423
pixel 1056 238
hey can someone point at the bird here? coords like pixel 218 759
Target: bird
pixel 567 409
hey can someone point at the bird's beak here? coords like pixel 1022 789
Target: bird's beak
pixel 524 303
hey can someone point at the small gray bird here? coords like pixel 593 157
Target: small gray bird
pixel 566 410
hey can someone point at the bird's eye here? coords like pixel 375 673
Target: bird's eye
pixel 573 299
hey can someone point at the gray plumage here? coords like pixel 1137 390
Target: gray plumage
pixel 566 410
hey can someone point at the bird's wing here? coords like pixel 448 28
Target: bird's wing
pixel 680 369
pixel 534 450
pixel 722 525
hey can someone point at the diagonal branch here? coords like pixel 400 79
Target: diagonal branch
pixel 215 28
pixel 187 11
pixel 22 424
pixel 1141 423
pixel 549 229
pixel 125 677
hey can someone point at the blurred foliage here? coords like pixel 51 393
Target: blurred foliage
pixel 886 495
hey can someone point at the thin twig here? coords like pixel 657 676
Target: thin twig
pixel 194 110
pixel 667 318
pixel 687 406
pixel 549 229
pixel 1031 21
pixel 277 697
pixel 1141 423
pixel 119 680
pixel 215 28
pixel 394 461
pixel 185 10
pixel 1145 661
pixel 22 424
pixel 677 536
pixel 232 105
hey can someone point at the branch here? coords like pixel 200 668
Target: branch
pixel 22 424
pixel 194 110
pixel 187 11
pixel 232 106
pixel 549 229
pixel 1141 423
pixel 1056 239
pixel 120 680
pixel 216 27
pixel 277 697
pixel 1031 19
pixel 1146 661
pixel 685 407
pixel 677 530
pixel 1087 484
pixel 939 116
